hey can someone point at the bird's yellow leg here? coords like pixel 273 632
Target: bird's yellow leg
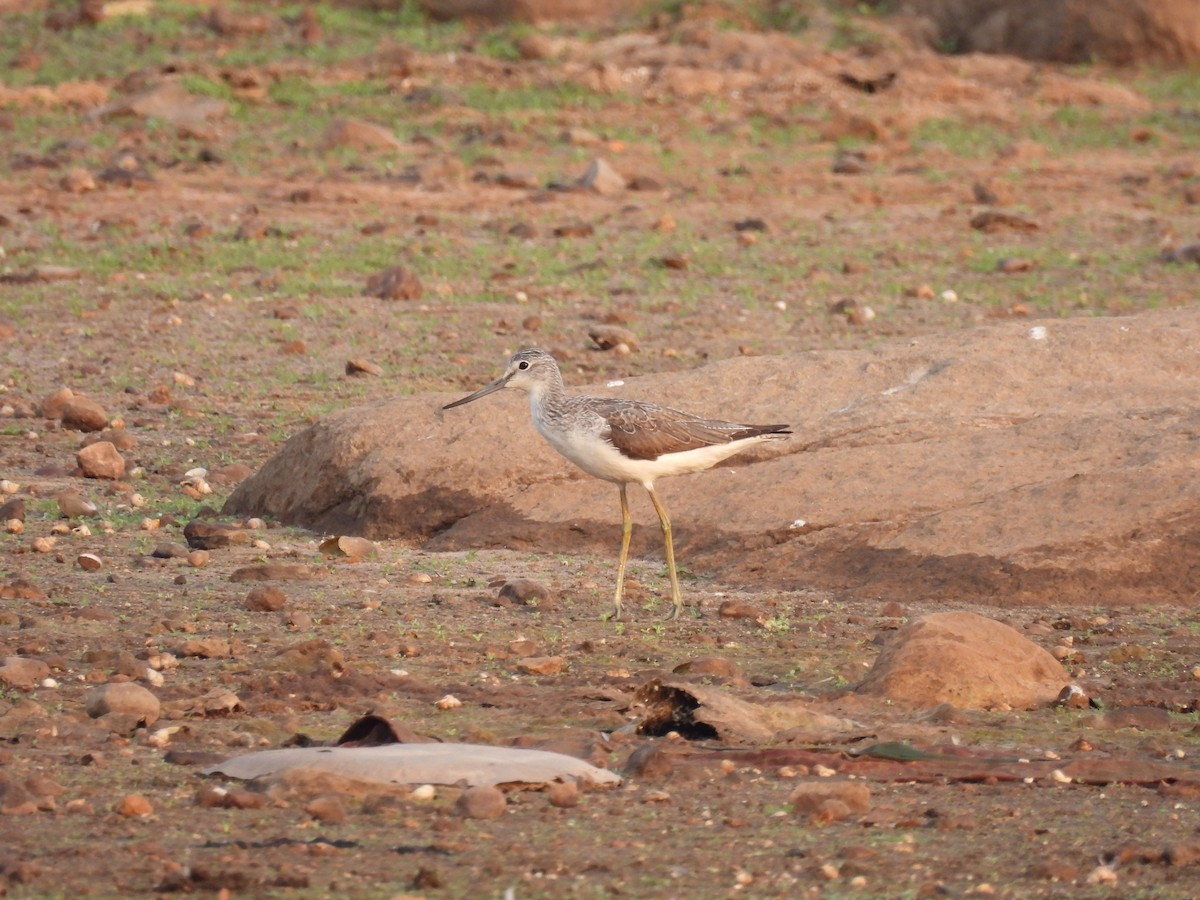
pixel 626 532
pixel 676 596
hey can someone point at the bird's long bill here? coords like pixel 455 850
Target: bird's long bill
pixel 482 392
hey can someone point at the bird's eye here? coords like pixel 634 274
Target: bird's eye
pixel 523 365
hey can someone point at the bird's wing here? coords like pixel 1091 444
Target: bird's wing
pixel 647 431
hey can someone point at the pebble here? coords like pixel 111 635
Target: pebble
pixel 265 599
pixel 122 697
pixel 74 505
pixel 448 702
pixel 424 792
pixel 23 673
pixel 198 558
pixel 563 794
pixel 16 526
pixel 83 414
pixel 525 591
pixel 709 665
pixel 737 609
pixel 395 283
pixel 134 806
pixel 541 665
pixel 9 487
pixel 89 562
pixel 830 801
pixel 43 544
pixel 327 809
pixel 363 367
pixel 54 403
pixel 609 337
pixel 602 178
pixel 485 802
pixel 101 460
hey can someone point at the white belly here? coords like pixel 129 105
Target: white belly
pixel 601 459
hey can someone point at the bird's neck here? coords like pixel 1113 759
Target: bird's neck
pixel 544 395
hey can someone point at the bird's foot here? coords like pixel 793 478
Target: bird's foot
pixel 613 615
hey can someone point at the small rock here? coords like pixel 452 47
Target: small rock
pixel 360 135
pixel 327 809
pixel 482 803
pixel 77 181
pixel 74 505
pixel 563 794
pixel 198 558
pixel 609 337
pixel 83 414
pixel 206 648
pixel 363 367
pixel 602 178
pixel 124 698
pixel 709 665
pixel 448 702
pixel 134 806
pixel 89 562
pixel 101 460
pixel 395 283
pixel 353 548
pixel 737 609
pixel 43 544
pixel 816 799
pixel 53 404
pixel 272 572
pixel 540 665
pixel 1054 870
pixel 13 509
pixel 23 673
pixel 993 220
pixel 14 526
pixel 21 589
pixel 295 620
pixel 1012 265
pixel 201 535
pixel 265 599
pixel 169 550
pixel 525 591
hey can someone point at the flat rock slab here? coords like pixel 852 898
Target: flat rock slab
pixel 474 764
pixel 1028 462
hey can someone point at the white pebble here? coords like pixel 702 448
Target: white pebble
pixel 137 501
pixel 1038 332
pixel 424 792
pixel 153 677
pixel 49 683
pixel 823 771
pixel 256 524
pixel 781 305
pixel 9 487
pixel 198 472
pixel 1061 777
pixel 261 545
pixel 1102 875
pixel 521 297
pixel 950 296
pixel 448 702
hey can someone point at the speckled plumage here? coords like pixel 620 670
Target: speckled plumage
pixel 623 441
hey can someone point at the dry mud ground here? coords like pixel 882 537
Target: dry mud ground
pixel 209 293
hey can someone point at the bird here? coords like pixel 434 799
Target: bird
pixel 624 442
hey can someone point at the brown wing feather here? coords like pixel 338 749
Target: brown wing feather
pixel 647 431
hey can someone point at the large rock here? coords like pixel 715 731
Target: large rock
pixel 1124 32
pixel 1023 462
pixel 967 660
